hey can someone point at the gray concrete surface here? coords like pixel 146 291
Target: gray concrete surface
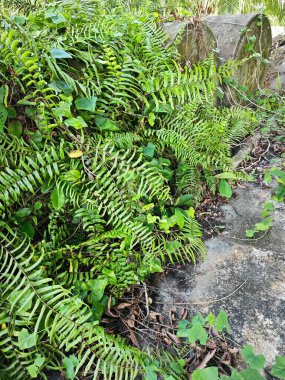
pixel 244 277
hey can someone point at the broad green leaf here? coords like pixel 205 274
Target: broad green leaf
pixel 97 288
pixel 33 371
pixel 249 233
pixel 197 319
pixel 149 150
pixel 198 333
pixel 63 110
pixel 155 265
pixel 75 122
pixel 185 200
pixel 151 218
pixel 183 329
pixel 55 16
pixel 180 220
pixel 39 361
pixel 210 319
pixel 15 128
pixel 278 369
pixel 98 308
pixel 37 206
pixel 87 104
pixel 222 322
pixel 247 374
pixel 110 275
pixel 191 212
pixel 269 206
pixel 22 212
pixel 210 373
pixel 70 364
pixel 57 198
pixel 264 225
pixel 173 245
pixel 27 228
pixel 58 53
pixel 105 124
pixel 61 86
pixel 26 340
pixel 253 361
pixel 151 373
pixel 225 189
pixel 11 112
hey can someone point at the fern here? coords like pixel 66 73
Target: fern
pixel 111 135
pixel 31 297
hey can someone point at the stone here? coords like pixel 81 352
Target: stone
pixel 245 277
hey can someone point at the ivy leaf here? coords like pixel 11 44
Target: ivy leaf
pixel 267 178
pixel 210 373
pixel 69 364
pixel 252 360
pixel 155 265
pixel 184 199
pixel 222 322
pixel 57 198
pixel 22 212
pixel 151 373
pixel 278 369
pixel 97 288
pixel 75 122
pixel 87 104
pixel 33 371
pixel 173 245
pixel 35 368
pixel 105 124
pixel 15 128
pixel 59 53
pixel 26 340
pixel 183 329
pixel 248 374
pixel 249 233
pixel 39 361
pixel 225 189
pixel 149 150
pixel 198 333
pixel 27 228
pixel 151 219
pixel 180 220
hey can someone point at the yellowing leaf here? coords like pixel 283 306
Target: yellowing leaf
pixel 75 153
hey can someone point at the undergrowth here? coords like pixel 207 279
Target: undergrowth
pixel 106 147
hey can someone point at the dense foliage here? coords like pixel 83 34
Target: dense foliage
pixel 106 147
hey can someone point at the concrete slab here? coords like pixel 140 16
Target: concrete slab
pixel 244 277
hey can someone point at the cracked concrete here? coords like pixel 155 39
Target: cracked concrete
pixel 245 277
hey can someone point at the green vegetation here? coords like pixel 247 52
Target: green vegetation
pixel 106 148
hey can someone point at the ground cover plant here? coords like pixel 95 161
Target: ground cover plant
pixel 106 147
